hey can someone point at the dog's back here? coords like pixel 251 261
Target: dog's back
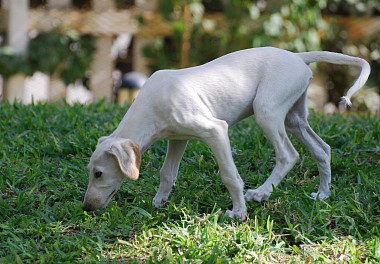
pixel 226 86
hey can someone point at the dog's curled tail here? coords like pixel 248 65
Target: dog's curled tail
pixel 341 59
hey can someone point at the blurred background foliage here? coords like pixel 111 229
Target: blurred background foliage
pixel 65 55
pixel 292 25
pixel 202 30
pixel 296 25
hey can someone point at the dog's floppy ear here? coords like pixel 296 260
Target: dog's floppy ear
pixel 127 154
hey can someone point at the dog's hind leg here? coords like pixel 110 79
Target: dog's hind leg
pixel 273 101
pixel 296 123
pixel 272 122
pixel 169 171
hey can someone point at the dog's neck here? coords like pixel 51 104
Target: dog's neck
pixel 138 125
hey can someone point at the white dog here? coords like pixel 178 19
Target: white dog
pixel 202 103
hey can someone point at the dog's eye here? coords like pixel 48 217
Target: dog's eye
pixel 98 174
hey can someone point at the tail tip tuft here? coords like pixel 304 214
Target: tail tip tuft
pixel 345 101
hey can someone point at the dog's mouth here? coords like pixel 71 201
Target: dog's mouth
pixel 109 197
pixel 111 194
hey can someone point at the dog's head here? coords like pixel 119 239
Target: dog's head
pixel 113 160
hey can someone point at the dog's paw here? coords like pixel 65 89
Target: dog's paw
pixel 238 215
pixel 159 201
pixel 320 195
pixel 257 195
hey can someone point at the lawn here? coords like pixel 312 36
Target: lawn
pixel 44 150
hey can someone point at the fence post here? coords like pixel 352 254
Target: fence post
pixel 57 88
pixel 140 63
pixel 186 37
pixel 101 83
pixel 18 43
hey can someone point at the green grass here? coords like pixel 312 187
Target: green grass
pixel 44 150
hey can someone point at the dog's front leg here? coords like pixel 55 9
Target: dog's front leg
pixel 219 143
pixel 169 170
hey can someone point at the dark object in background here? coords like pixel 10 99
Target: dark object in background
pixel 131 84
